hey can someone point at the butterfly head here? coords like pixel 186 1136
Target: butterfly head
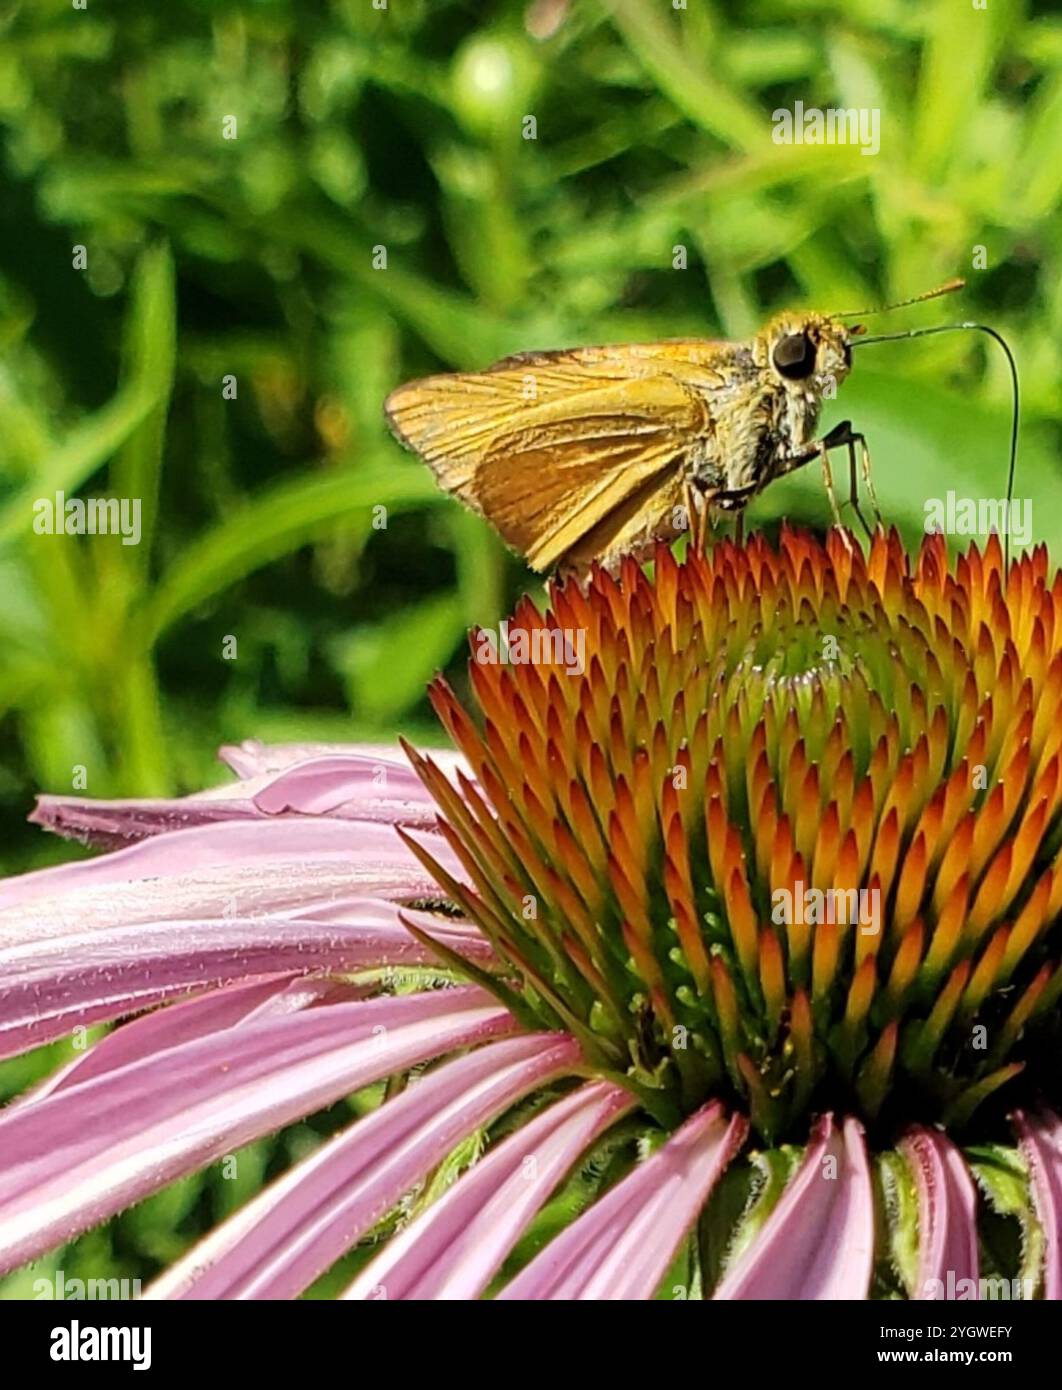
pixel 806 354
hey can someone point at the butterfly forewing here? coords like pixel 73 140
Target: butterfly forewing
pixel 553 447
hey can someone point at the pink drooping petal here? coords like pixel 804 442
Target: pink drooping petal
pixel 58 972
pixel 239 869
pixel 1040 1138
pixel 621 1248
pixel 454 1249
pixel 251 758
pixel 277 1244
pixel 77 1157
pixel 348 786
pixel 947 1214
pixel 818 1243
pixel 162 1029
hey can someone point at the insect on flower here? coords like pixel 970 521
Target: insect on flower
pixel 598 452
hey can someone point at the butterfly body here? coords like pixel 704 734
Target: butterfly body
pixel 595 453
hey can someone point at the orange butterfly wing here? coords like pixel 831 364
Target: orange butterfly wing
pixel 550 446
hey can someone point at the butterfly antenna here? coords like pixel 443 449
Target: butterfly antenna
pixel 949 288
pixel 977 328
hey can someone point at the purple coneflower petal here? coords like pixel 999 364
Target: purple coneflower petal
pixel 182 1022
pixel 233 869
pixel 56 978
pixel 277 1244
pixel 621 1248
pixel 81 1155
pixel 818 1243
pixel 349 786
pixel 454 1249
pixel 947 1209
pixel 1040 1138
pixel 252 758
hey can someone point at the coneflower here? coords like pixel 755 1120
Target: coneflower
pixel 745 892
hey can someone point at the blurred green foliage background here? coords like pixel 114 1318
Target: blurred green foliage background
pixel 403 127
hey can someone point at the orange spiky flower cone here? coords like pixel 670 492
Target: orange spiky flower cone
pixel 777 825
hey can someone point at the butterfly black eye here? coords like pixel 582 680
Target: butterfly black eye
pixel 794 356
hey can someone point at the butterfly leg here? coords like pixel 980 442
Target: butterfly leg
pixel 705 521
pixel 690 508
pixel 844 434
pixel 695 502
pixel 824 446
pixel 864 454
pixel 827 482
pixel 853 489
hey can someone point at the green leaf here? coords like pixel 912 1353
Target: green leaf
pixel 694 87
pixel 682 1282
pixel 463 1156
pixel 149 356
pixel 1004 1181
pixel 741 1204
pixel 387 666
pixel 89 445
pixel 275 523
pixel 949 91
pixel 899 1217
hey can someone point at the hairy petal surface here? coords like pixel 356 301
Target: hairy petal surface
pixel 454 1249
pixel 291 1233
pixel 78 1156
pixel 158 1031
pixel 232 869
pixel 947 1209
pixel 1040 1138
pixel 818 1243
pixel 60 973
pixel 349 786
pixel 621 1248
